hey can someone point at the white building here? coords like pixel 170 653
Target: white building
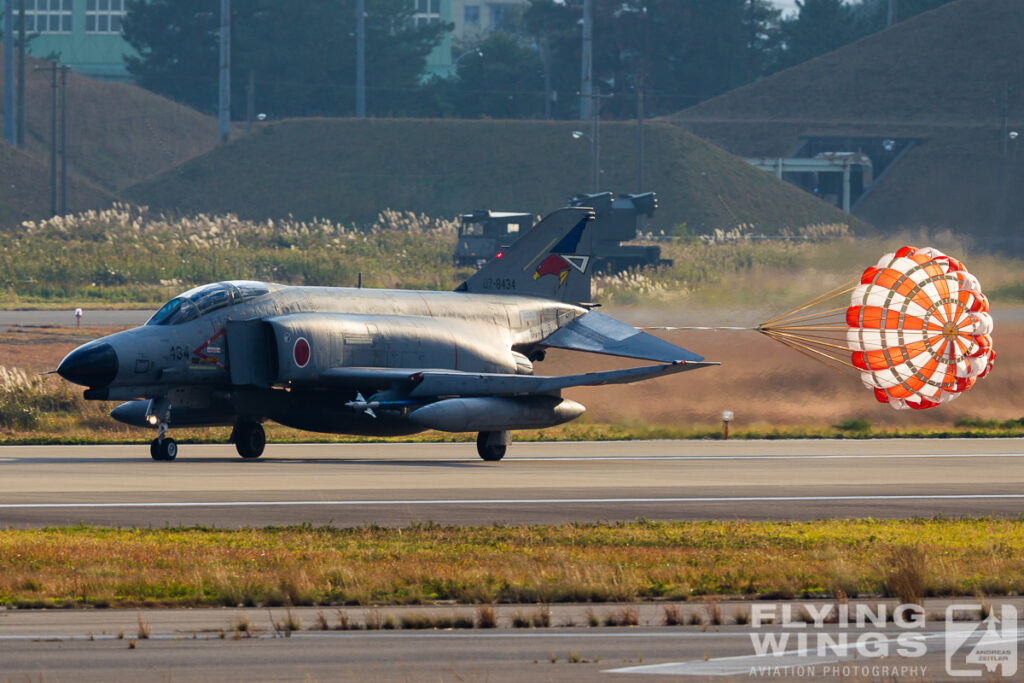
pixel 474 19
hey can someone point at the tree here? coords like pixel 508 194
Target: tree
pixel 177 45
pixel 820 26
pixel 683 51
pixel 873 15
pixel 504 80
pixel 301 53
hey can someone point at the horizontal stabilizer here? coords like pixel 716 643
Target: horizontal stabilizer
pixel 598 333
pixel 433 383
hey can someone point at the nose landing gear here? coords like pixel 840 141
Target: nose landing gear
pixel 159 413
pixel 163 448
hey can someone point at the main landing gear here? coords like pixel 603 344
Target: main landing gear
pixel 492 445
pixel 249 439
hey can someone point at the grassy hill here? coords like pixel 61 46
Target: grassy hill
pixel 118 134
pixel 348 169
pixel 938 77
pixel 25 189
pixel 947 66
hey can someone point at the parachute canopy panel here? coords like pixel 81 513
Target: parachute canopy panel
pixel 917 330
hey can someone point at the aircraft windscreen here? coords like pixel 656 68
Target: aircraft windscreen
pixel 201 300
pixel 211 297
pixel 176 311
pixel 250 289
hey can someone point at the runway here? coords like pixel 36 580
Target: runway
pixel 395 484
pixel 202 644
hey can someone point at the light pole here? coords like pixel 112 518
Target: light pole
pixel 10 130
pixel 595 136
pixel 361 59
pixel 224 86
pixel 477 51
pixel 595 151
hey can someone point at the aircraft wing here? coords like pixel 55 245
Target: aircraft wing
pixel 598 333
pixel 431 383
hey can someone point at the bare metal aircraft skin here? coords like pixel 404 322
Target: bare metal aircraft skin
pixel 373 362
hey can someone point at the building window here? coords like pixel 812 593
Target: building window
pixel 498 15
pixel 104 16
pixel 471 15
pixel 426 11
pixel 48 16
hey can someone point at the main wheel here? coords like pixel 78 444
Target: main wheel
pixel 163 450
pixel 492 452
pixel 250 439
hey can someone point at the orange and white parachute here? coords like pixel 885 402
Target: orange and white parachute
pixel 920 329
pixel 917 330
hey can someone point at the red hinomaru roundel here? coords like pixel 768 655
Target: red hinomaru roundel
pixel 301 352
pixel 919 329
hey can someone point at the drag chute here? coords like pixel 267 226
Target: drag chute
pixel 917 330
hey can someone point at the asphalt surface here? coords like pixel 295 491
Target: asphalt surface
pixel 537 482
pixel 186 645
pixel 395 484
pixel 91 318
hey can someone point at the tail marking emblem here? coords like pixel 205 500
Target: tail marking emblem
pixel 562 257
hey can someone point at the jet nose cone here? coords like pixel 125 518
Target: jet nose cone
pixel 92 365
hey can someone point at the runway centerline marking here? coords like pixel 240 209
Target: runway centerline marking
pixel 514 501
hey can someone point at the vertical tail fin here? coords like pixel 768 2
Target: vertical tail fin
pixel 553 261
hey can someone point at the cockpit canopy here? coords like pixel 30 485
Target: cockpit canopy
pixel 202 300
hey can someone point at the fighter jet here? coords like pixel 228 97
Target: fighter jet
pixel 373 361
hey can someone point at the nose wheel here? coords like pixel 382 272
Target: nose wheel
pixel 249 438
pixel 163 449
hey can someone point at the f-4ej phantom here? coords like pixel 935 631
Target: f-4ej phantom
pixel 374 362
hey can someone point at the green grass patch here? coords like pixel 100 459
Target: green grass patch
pixel 426 563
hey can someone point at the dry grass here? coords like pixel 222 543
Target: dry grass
pixel 622 616
pixel 485 617
pixel 906 574
pixel 566 563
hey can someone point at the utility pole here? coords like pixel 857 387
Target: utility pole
pixel 587 78
pixel 21 74
pixel 9 116
pixel 53 134
pixel 63 141
pixel 224 99
pixel 640 130
pixel 595 139
pixel 545 55
pixel 250 100
pixel 893 11
pixel 360 59
pixel 1004 112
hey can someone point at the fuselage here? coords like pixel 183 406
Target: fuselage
pixel 252 349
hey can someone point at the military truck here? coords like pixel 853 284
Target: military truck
pixel 482 234
pixel 616 222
